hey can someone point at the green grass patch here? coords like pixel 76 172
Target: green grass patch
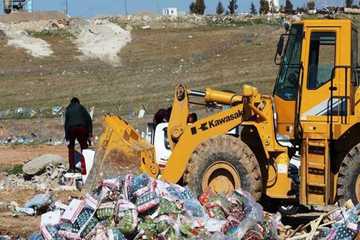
pixel 16 169
pixel 52 33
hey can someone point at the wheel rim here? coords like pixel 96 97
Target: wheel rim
pixel 357 189
pixel 221 177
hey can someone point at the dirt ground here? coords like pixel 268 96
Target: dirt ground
pixel 23 226
pixel 25 16
pixel 19 154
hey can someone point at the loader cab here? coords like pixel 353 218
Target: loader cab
pixel 316 76
pixel 287 83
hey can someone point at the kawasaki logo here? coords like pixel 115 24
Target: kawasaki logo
pixel 214 123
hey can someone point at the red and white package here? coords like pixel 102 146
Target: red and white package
pixel 91 201
pixel 69 235
pixel 73 210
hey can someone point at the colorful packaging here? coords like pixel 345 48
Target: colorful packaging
pixel 126 216
pixel 73 210
pixel 147 201
pixel 105 211
pixel 115 234
pixel 166 207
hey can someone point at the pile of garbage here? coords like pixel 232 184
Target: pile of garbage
pixel 51 177
pixel 339 223
pixel 41 173
pixel 139 207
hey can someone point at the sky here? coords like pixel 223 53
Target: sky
pixel 91 8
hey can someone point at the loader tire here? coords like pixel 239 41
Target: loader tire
pixel 348 184
pixel 224 163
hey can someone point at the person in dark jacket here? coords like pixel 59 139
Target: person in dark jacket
pixel 78 126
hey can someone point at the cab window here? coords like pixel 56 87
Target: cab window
pixel 321 58
pixel 287 83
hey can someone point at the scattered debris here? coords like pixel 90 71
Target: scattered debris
pixel 339 223
pixel 37 165
pixel 30 112
pixel 49 171
pixel 57 111
pixel 141 112
pixel 37 204
pixel 51 178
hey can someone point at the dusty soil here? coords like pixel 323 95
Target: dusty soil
pixel 19 154
pixel 36 16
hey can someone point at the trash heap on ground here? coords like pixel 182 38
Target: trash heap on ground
pixel 48 171
pixel 139 207
pixel 339 223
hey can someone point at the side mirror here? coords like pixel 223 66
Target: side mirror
pixel 280 46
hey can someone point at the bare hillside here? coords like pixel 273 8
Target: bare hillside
pixel 151 65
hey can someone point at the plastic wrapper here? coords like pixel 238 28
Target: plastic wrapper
pixel 167 207
pixel 27 211
pixel 39 201
pixel 35 236
pixel 83 218
pixel 115 234
pixel 204 197
pixel 91 201
pixel 348 227
pixel 179 193
pixel 216 211
pixel 105 211
pixel 149 228
pixel 220 236
pixel 69 235
pixel 89 227
pixel 271 224
pixel 114 184
pixel 215 225
pixel 126 216
pixel 147 201
pixel 140 185
pixel 218 206
pixel 127 187
pixel 50 232
pixel 157 229
pixel 139 207
pixel 252 209
pixel 73 210
pixel 193 208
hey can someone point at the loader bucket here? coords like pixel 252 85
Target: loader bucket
pixel 121 150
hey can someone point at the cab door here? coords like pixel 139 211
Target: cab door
pixel 287 85
pixel 322 91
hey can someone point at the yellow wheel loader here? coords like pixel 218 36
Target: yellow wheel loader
pixel 302 144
